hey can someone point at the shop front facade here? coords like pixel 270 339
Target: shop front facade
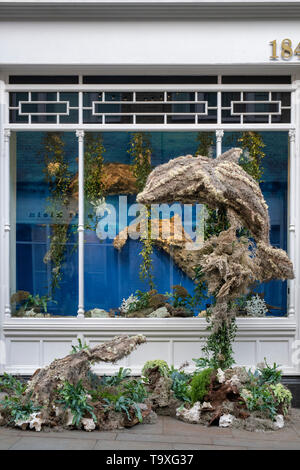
pixel 86 78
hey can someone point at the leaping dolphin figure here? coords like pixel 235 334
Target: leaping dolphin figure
pixel 220 182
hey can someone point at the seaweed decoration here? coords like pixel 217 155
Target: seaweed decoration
pixel 61 204
pixel 140 152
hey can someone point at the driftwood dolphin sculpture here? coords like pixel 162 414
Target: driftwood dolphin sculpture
pixel 221 182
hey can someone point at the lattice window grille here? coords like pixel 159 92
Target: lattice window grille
pixel 42 105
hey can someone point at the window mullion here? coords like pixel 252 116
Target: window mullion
pixel 80 136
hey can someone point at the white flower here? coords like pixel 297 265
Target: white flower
pixel 126 303
pixel 256 307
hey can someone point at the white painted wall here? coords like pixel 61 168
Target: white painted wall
pixel 144 42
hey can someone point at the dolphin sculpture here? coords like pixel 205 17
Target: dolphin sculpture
pixel 221 182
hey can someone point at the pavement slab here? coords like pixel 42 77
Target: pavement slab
pixel 166 434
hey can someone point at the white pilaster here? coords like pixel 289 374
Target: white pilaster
pixel 219 138
pixel 6 241
pixel 292 218
pixel 80 136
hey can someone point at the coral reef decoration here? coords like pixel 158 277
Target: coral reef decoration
pixel 222 182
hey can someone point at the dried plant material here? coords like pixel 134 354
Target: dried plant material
pixel 230 263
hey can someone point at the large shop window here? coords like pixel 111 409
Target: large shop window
pixel 45 211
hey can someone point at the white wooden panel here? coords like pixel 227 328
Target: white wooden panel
pixel 186 351
pixel 25 353
pixel 245 352
pixel 55 350
pixel 274 351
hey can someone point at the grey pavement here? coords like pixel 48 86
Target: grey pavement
pixel 167 434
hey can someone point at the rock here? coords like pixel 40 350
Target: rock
pixel 202 314
pixel 221 376
pixel 226 421
pixel 235 381
pixel 161 312
pixel 69 418
pixel 145 411
pixel 279 422
pixel 30 313
pixel 191 415
pixel 238 371
pixel 160 395
pixel 36 422
pixel 88 424
pixel 206 405
pixel 144 312
pixel 99 313
pixel 2 420
pixel 151 418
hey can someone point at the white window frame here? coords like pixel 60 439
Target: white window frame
pixel 80 129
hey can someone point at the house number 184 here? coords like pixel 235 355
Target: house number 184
pixel 286 49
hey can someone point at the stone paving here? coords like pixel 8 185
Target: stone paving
pixel 167 434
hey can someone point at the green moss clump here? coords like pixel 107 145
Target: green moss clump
pixel 200 385
pixel 161 364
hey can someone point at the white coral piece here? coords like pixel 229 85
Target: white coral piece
pixel 226 420
pixel 279 422
pixel 88 424
pixel 221 376
pixel 256 307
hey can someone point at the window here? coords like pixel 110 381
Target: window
pixel 46 217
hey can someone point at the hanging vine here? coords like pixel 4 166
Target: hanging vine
pixel 140 152
pixel 59 179
pixel 93 174
pixel 218 350
pixel 252 144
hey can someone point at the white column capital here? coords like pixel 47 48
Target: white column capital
pixel 7 134
pixel 219 135
pixel 80 135
pixel 292 135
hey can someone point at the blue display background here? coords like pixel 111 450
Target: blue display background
pixel 110 275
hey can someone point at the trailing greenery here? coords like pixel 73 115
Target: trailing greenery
pixel 93 166
pixel 205 141
pixel 218 352
pixel 200 385
pixel 218 349
pixel 140 152
pixel 59 179
pixel 252 144
pixel 160 363
pixel 75 398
